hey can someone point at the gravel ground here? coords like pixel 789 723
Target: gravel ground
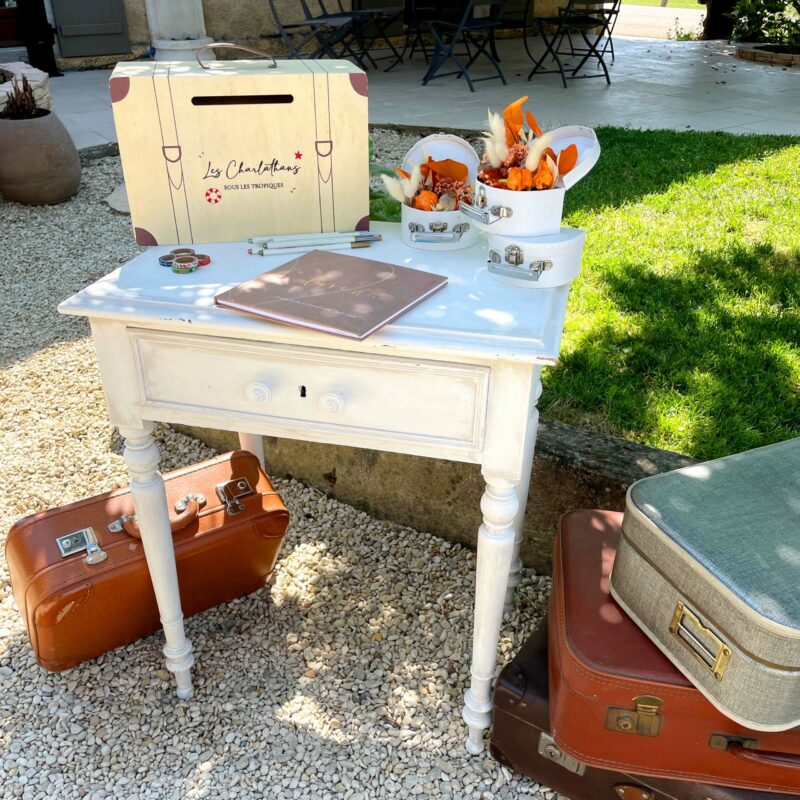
pixel 343 678
pixel 390 146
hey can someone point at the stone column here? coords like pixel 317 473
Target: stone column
pixel 177 28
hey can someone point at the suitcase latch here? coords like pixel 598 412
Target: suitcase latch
pixel 77 541
pixel 552 752
pixel 232 492
pixel 514 255
pixel 644 720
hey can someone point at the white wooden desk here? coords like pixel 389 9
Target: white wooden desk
pixel 455 378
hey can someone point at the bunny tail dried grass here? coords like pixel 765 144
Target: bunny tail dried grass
pixel 411 185
pixel 393 188
pixel 496 147
pixel 536 150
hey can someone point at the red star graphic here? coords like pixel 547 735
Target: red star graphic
pixel 298 155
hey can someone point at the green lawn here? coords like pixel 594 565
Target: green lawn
pixel 683 330
pixel 670 4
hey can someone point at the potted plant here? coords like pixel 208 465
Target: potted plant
pixel 39 163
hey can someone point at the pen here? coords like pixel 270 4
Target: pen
pixel 294 240
pixel 305 248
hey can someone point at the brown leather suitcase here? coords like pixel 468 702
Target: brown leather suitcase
pixel 77 603
pixel 618 703
pixel 521 740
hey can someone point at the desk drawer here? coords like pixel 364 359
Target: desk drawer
pixel 298 389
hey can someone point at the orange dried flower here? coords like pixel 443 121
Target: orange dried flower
pixel 426 200
pixel 446 168
pixel 543 177
pixel 402 173
pixel 519 179
pixel 512 115
pixel 533 124
pixel 567 159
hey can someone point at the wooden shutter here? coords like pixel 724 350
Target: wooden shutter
pixel 91 27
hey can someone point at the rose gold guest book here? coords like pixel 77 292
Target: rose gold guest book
pixel 334 293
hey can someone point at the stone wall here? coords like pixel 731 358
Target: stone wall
pixel 573 469
pixel 242 21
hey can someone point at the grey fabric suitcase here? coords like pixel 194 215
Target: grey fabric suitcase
pixel 709 568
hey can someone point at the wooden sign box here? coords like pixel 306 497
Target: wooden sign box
pixel 242 148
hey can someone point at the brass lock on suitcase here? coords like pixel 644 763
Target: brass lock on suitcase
pixel 643 720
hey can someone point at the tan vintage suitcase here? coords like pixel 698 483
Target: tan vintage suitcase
pixel 709 567
pixel 226 150
pixel 79 575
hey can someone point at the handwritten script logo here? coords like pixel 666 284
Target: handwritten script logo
pixel 235 168
pixel 323 283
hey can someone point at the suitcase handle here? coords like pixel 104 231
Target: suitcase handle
pixel 189 508
pixel 229 46
pixel 766 758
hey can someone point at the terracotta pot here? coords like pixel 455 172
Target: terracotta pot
pixel 39 162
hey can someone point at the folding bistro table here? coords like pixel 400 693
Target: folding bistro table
pixel 456 378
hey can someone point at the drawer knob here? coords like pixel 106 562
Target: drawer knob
pixel 332 403
pixel 259 393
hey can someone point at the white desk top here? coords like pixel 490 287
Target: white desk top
pixel 473 317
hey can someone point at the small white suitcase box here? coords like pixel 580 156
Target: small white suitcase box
pixel 439 230
pixel 709 567
pixel 504 212
pixel 538 262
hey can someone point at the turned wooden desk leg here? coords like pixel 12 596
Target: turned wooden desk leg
pixel 150 502
pixel 253 443
pixel 499 505
pixel 515 574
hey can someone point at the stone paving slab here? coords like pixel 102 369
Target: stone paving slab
pixel 655 84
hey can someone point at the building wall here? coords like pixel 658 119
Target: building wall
pixel 241 21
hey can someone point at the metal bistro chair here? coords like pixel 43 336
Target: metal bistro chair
pixel 475 33
pixel 594 8
pixel 573 20
pixel 370 25
pixel 417 20
pixel 332 34
pixel 514 15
